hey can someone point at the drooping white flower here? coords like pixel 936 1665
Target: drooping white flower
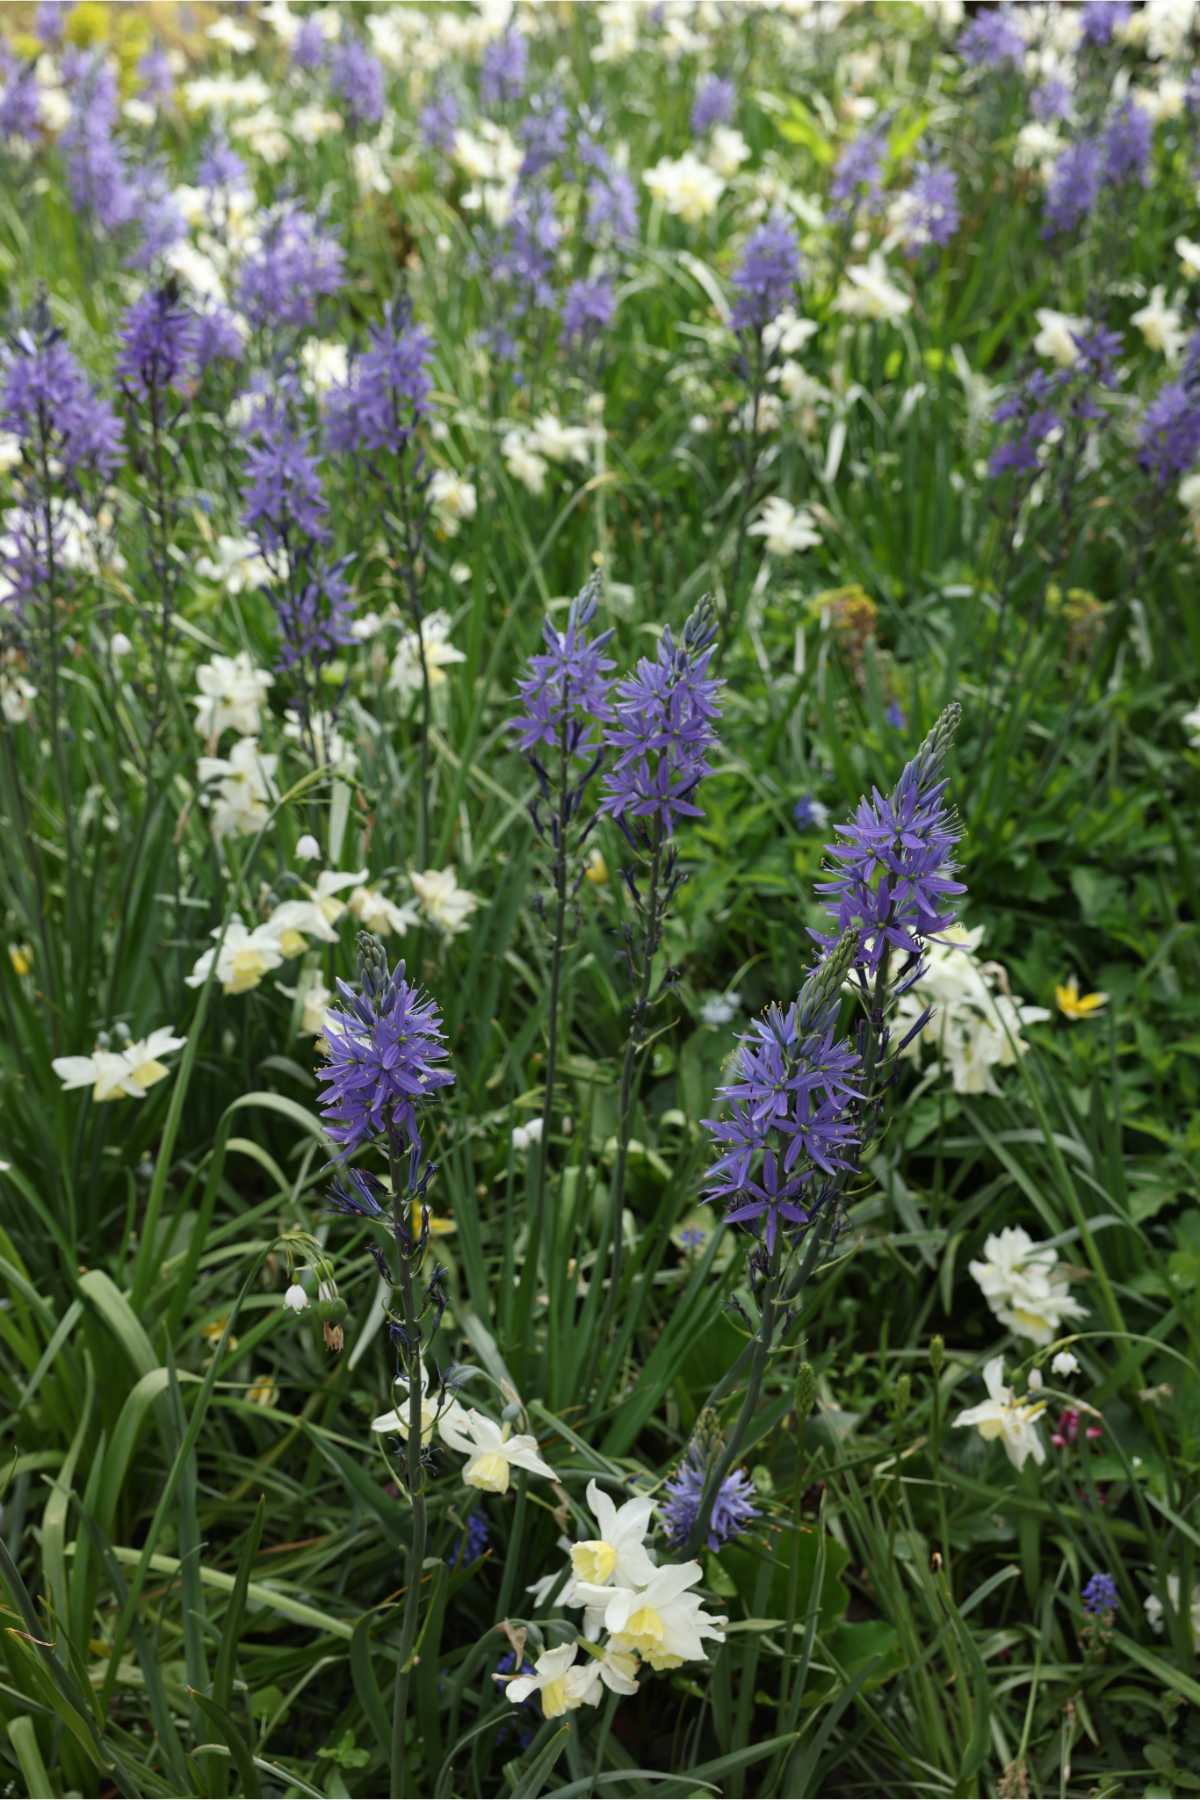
pixel 245 787
pixel 442 901
pixel 718 1009
pixel 296 1298
pixel 525 1135
pixel 491 1451
pixel 1005 1417
pixel 687 188
pixel 434 645
pixel 232 692
pixel 17 696
pixel 785 529
pixel 560 1684
pixel 242 960
pixel 661 1622
pixel 307 848
pixel 1064 1364
pixel 398 1419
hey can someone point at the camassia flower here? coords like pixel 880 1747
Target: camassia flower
pixel 385 1048
pixel 565 690
pixel 733 1510
pixel 664 731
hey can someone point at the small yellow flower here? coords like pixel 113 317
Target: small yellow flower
pixel 437 1227
pixel 1076 1005
pixel 262 1392
pixel 595 868
pixel 211 1333
pixel 21 958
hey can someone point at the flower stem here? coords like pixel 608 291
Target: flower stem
pixel 408 1252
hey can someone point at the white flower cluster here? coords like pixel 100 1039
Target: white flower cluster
pixel 492 1451
pixel 120 1074
pixel 976 1024
pixel 1024 1287
pixel 646 1611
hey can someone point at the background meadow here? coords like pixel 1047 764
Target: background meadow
pixel 344 348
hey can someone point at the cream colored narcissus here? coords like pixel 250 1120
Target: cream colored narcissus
pixel 433 646
pixel 1024 1287
pixel 661 1622
pixel 1005 1417
pixel 442 901
pixel 784 528
pixel 242 958
pixel 232 694
pixel 560 1683
pixel 120 1074
pixel 491 1451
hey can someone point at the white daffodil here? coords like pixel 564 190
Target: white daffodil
pixel 234 564
pixel 561 1685
pixel 375 912
pixel 687 188
pixel 232 693
pixel 617 1557
pixel 442 901
pixel 1188 252
pixel 727 151
pixel 1005 1417
pixel 1191 724
pixel 398 1419
pixel 120 1074
pixel 1023 1286
pixel 293 922
pixel 491 1452
pixel 787 333
pixel 327 887
pixel 784 528
pixel 242 959
pixel 661 1622
pixel 559 443
pixel 869 292
pixel 326 363
pixel 316 1000
pixel 245 788
pixel 320 738
pixel 433 646
pixel 1057 334
pixel 523 462
pixel 1154 1606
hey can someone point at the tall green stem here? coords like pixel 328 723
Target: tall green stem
pixel 408 1254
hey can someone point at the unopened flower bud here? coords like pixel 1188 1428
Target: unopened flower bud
pixel 332 1312
pixel 806 1392
pixel 937 1354
pixel 296 1300
pixel 903 1394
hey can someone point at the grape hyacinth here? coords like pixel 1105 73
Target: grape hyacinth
pixel 765 279
pixel 733 1511
pixel 663 733
pixel 1100 1595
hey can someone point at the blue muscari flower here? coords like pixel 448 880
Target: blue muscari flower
pixel 715 100
pixel 892 879
pixel 733 1511
pixel 567 685
pixel 356 78
pixel 503 69
pixel 894 714
pixel 765 279
pixel 991 39
pixel 587 310
pixel 1125 145
pixel 1100 1595
pixel 293 266
pixel 386 1045
pixel 472 1544
pixel 663 731
pixel 1074 186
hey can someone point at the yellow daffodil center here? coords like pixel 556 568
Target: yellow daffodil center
pixel 247 970
pixel 292 943
pixel 489 1471
pixel 644 1632
pixel 593 1561
pixel 554 1697
pixel 147 1073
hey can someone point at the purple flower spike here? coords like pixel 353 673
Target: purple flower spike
pixel 713 105
pixel 386 1044
pixel 503 70
pixel 158 342
pixel 588 309
pixel 894 879
pixel 766 277
pixel 293 266
pixel 991 39
pixel 356 77
pixel 387 394
pixel 1074 186
pixel 567 685
pixel 663 731
pixel 733 1510
pixel 43 389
